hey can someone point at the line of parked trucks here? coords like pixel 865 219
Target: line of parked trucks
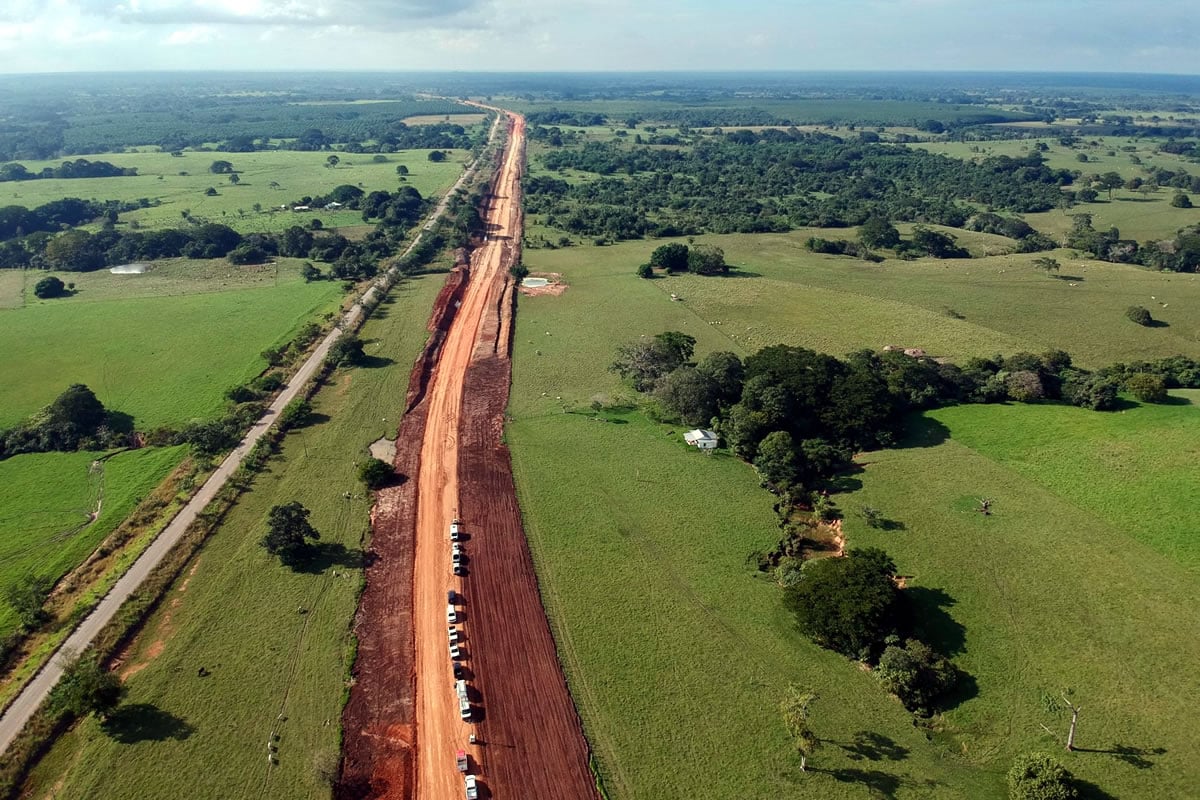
pixel 458 559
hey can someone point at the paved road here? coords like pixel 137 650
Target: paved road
pixel 35 692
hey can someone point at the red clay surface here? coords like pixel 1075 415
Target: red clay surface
pixel 402 724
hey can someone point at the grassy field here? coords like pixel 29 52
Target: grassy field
pixel 235 613
pixel 1138 216
pixel 12 288
pixel 455 119
pixel 1084 577
pixel 179 182
pixel 677 652
pixel 956 309
pixel 46 503
pixel 164 351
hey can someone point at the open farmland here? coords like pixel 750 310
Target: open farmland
pixel 47 501
pixel 1083 578
pixel 162 358
pixel 1138 215
pixel 657 614
pixel 235 613
pixel 659 617
pixel 782 293
pixel 179 182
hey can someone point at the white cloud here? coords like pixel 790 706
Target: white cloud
pixel 194 34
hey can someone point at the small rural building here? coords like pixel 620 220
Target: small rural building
pixel 300 208
pixel 705 440
pixel 334 204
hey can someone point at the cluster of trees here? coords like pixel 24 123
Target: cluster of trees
pixel 700 259
pixel 878 232
pixel 853 606
pixel 18 221
pixel 76 420
pixel 798 415
pixel 777 180
pixel 80 168
pixel 1180 254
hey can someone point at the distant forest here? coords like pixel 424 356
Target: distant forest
pixel 45 119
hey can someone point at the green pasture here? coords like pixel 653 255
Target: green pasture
pixel 1083 578
pixel 46 503
pixel 1138 215
pixel 782 293
pixel 677 652
pixel 1134 468
pixel 273 670
pixel 165 353
pixel 298 174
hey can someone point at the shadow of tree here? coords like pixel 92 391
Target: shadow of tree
pixel 324 555
pixel 874 746
pixel 922 431
pixel 1136 757
pixel 374 362
pixel 933 624
pixel 879 783
pixel 1090 791
pixel 143 722
pixel 119 421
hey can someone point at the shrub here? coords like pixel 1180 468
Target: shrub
pixel 376 473
pixel 346 351
pixel 1037 776
pixel 915 674
pixel 1147 387
pixel 645 271
pixel 1181 200
pixel 1139 315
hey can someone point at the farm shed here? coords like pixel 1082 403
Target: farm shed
pixel 705 440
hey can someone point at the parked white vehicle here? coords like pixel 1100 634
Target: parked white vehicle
pixel 451 614
pixel 472 788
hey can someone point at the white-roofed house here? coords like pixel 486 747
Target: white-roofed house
pixel 705 440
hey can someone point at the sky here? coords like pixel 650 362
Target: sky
pixel 584 35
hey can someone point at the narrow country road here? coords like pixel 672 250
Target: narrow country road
pixel 37 690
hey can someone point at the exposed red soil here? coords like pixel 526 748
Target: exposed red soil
pixel 401 723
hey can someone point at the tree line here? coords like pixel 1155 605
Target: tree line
pixel 80 168
pixel 1178 254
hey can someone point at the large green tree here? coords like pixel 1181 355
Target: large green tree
pixel 877 232
pixel 850 605
pixel 672 257
pixel 48 287
pixel 289 533
pixel 776 460
pixel 87 688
